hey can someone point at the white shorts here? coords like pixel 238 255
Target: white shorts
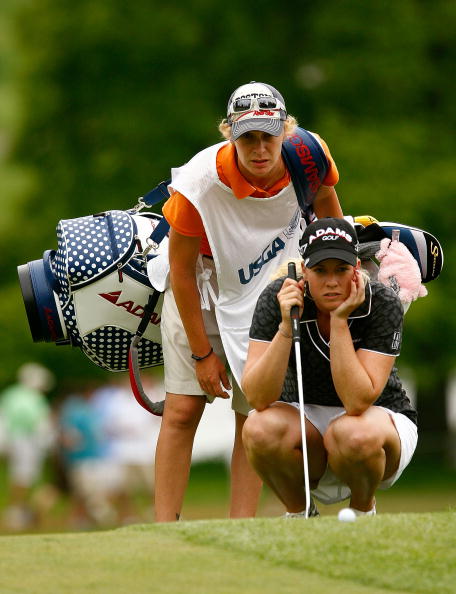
pixel 179 367
pixel 25 459
pixel 330 489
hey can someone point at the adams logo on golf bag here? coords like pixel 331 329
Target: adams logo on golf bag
pixel 92 291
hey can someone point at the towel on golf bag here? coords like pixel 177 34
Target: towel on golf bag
pixel 399 270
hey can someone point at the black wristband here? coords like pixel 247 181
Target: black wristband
pixel 205 356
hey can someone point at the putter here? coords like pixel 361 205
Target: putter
pixel 296 331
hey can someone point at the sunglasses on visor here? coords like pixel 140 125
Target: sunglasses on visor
pixel 260 103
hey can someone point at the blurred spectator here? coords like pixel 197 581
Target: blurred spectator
pixel 130 434
pixel 27 432
pixel 83 455
pixel 107 447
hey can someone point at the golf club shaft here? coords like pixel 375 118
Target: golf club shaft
pixel 296 331
pixel 302 417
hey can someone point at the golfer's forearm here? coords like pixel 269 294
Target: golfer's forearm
pixel 188 303
pixel 351 381
pixel 327 203
pixel 263 378
pixel 183 255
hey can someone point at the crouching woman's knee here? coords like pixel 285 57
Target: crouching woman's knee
pixel 352 438
pixel 263 431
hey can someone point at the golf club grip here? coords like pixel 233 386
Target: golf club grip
pixel 294 312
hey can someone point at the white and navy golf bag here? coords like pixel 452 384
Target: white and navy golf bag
pixel 94 291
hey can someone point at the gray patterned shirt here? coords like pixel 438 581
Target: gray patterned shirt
pixel 376 325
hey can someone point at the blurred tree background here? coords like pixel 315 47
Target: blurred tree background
pixel 99 99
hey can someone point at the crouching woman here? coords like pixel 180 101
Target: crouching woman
pixel 361 429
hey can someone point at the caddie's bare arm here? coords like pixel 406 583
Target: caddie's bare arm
pixel 326 203
pixel 359 376
pixel 183 255
pixel 267 362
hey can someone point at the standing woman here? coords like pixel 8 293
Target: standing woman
pixel 360 426
pixel 234 218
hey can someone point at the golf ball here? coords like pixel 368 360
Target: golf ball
pixel 346 515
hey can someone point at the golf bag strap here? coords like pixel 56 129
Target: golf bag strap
pixel 160 231
pixel 308 166
pixel 156 408
pixel 157 194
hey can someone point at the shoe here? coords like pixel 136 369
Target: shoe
pixel 371 512
pixel 313 512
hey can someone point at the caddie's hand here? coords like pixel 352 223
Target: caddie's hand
pixel 355 299
pixel 291 293
pixel 212 376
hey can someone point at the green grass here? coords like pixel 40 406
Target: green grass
pixel 388 553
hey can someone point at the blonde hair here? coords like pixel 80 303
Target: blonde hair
pixel 289 127
pixel 282 270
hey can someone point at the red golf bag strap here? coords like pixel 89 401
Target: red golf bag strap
pixel 308 165
pixel 156 408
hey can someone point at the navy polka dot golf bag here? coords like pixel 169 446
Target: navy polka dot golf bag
pixel 94 291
